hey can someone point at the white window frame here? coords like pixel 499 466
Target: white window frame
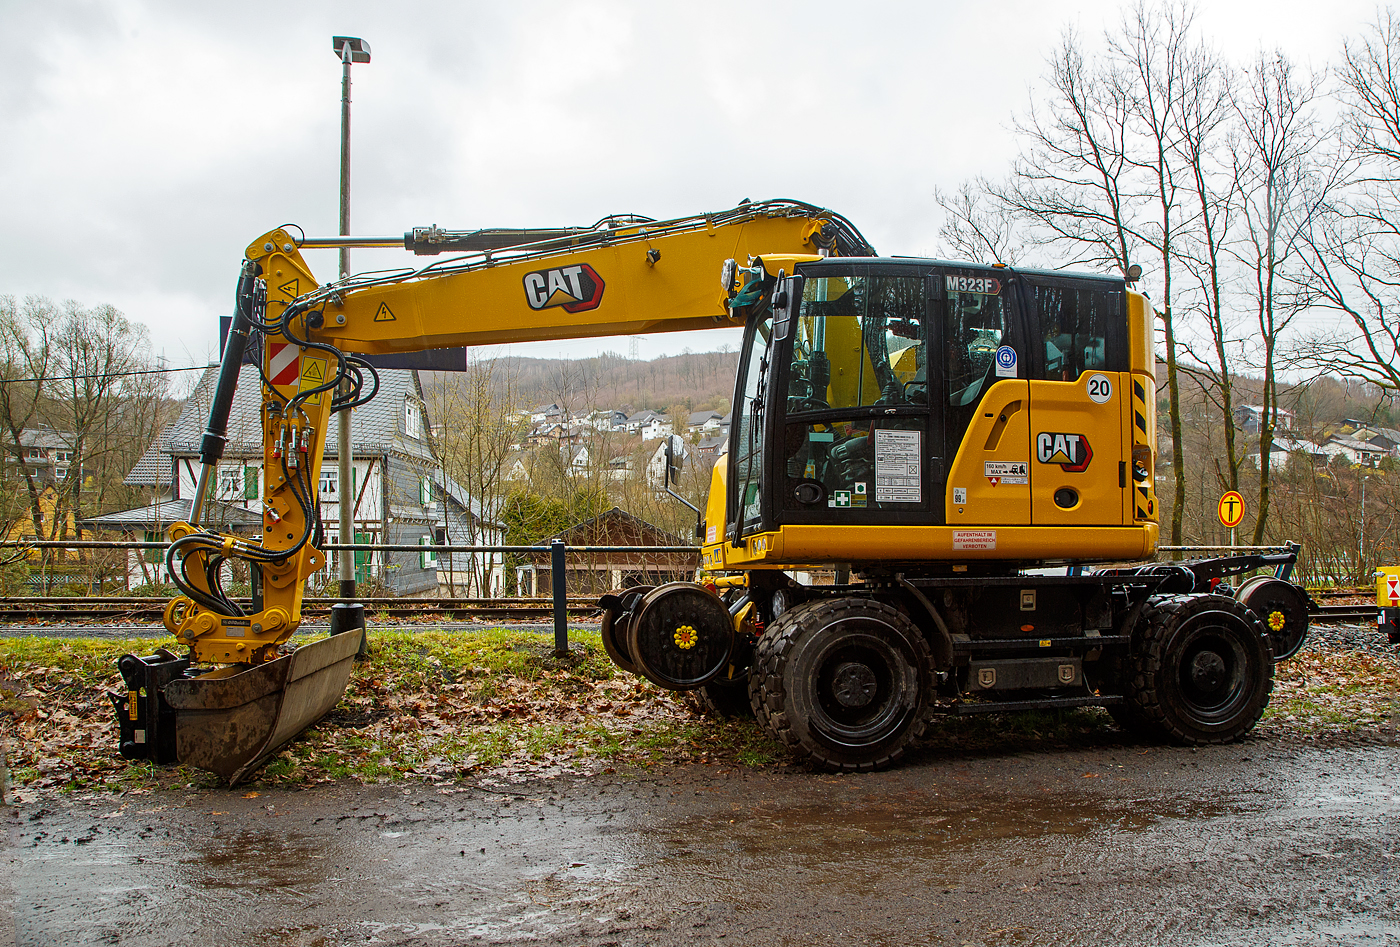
pixel 330 478
pixel 230 483
pixel 412 418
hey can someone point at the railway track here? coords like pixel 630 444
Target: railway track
pixel 117 610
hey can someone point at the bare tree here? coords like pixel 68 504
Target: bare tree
pixel 1353 246
pixel 1204 141
pixel 1100 171
pixel 1283 177
pixel 477 443
pixel 25 361
pixel 95 355
pixel 977 227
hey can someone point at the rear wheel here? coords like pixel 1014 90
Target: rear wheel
pixel 728 694
pixel 1202 670
pixel 843 683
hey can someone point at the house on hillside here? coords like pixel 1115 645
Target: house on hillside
pixel 699 421
pixel 1357 452
pixel 546 412
pixel 393 488
pixel 710 447
pixel 47 453
pixel 1250 418
pixel 596 573
pixel 650 425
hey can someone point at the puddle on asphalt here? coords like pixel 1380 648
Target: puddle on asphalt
pixel 547 870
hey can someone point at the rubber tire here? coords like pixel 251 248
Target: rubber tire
pixel 728 697
pixel 1170 631
pixel 725 698
pixel 790 692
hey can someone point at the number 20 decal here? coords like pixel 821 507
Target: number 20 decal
pixel 1100 389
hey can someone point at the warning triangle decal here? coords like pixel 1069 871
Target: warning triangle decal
pixel 312 372
pixel 385 314
pixel 289 288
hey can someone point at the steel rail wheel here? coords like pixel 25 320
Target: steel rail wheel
pixel 1282 607
pixel 618 611
pixel 843 683
pixel 680 636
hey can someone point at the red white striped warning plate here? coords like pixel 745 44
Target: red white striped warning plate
pixel 283 363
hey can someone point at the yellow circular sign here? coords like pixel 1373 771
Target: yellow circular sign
pixel 1231 509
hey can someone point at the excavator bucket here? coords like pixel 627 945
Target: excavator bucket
pixel 231 720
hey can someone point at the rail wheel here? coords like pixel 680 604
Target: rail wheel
pixel 843 683
pixel 618 612
pixel 681 636
pixel 1203 669
pixel 1282 607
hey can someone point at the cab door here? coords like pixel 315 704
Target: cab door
pixel 985 399
pixel 1078 395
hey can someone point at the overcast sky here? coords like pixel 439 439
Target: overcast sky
pixel 144 144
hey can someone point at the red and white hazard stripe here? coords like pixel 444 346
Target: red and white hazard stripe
pixel 283 363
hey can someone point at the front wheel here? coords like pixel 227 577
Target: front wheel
pixel 1202 670
pixel 843 683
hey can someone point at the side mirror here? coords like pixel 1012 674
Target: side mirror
pixel 784 301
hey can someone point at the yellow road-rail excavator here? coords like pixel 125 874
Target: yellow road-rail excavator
pixel 959 443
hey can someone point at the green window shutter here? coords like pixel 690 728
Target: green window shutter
pixel 425 490
pixel 428 559
pixel 362 558
pixel 250 483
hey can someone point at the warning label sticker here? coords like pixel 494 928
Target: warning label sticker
pixel 898 467
pixel 1016 472
pixel 974 539
pixel 282 359
pixel 313 375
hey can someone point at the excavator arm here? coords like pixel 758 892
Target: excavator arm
pixel 238 696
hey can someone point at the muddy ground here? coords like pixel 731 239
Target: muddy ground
pixel 1276 840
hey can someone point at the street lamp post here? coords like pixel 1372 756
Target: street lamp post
pixel 350 49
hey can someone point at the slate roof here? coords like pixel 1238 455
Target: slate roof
pixel 376 428
pixel 490 514
pixel 159 515
pixel 45 438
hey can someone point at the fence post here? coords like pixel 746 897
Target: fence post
pixel 561 599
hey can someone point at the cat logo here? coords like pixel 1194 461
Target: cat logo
pixel 1071 451
pixel 576 288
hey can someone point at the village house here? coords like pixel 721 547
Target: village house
pixel 650 425
pixel 399 491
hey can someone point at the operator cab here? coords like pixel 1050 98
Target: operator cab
pixel 910 392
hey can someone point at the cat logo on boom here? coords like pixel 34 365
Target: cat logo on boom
pixel 1071 451
pixel 576 288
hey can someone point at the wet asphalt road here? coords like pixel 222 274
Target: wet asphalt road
pixel 1266 842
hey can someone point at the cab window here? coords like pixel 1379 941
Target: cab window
pixel 1076 326
pixel 859 341
pixel 974 331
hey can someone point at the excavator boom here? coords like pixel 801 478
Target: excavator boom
pixel 239 694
